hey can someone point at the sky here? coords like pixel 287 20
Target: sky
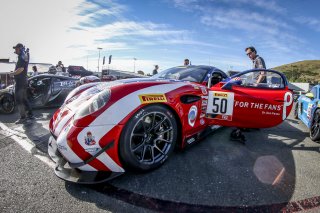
pixel 142 33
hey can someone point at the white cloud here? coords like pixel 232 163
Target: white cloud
pixel 244 20
pixel 313 23
pixel 72 30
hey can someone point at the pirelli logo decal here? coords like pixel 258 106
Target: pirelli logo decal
pixel 152 98
pixel 220 94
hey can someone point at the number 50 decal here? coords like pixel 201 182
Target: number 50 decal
pixel 221 105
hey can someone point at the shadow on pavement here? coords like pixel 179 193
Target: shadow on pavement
pixel 216 175
pixel 33 129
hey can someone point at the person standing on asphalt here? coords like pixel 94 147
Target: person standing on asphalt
pixel 20 77
pixel 155 71
pixel 257 63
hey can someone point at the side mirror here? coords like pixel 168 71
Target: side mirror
pixel 309 95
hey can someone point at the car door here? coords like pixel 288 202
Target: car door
pixel 60 89
pixel 307 105
pixel 244 102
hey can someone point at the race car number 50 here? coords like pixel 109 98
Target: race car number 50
pixel 221 105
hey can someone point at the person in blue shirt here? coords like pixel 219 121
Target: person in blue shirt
pixel 20 77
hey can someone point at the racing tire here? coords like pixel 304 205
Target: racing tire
pixel 7 103
pixel 296 111
pixel 315 126
pixel 148 138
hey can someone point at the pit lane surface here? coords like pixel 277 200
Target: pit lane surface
pixel 277 169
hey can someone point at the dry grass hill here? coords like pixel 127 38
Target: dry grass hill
pixel 301 71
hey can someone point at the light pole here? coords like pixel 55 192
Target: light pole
pixel 99 48
pixel 134 65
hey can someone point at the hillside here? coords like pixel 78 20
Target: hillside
pixel 301 71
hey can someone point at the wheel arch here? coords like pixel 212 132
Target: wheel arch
pixel 123 130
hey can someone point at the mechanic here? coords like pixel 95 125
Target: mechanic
pixel 186 62
pixel 60 67
pixel 20 77
pixel 35 71
pixel 258 63
pixel 155 71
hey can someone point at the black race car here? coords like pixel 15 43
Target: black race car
pixel 43 91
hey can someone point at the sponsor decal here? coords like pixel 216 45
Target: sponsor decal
pixel 288 100
pixel 216 94
pixel 202 115
pixel 309 110
pixel 139 114
pixel 191 140
pixel 89 139
pixel 202 121
pixel 196 87
pixel 225 117
pixel 92 150
pixel 262 106
pixel 152 98
pixel 204 90
pixel 220 105
pixel 204 102
pixel 192 115
pixel 61 147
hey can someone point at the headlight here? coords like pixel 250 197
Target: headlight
pixel 94 104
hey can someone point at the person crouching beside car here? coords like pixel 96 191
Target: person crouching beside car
pixel 20 77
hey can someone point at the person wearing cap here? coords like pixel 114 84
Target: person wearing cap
pixel 155 71
pixel 20 77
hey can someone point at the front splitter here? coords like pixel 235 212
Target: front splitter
pixel 65 172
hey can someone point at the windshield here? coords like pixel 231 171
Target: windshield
pixel 193 74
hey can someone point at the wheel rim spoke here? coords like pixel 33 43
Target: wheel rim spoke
pixel 160 122
pixel 166 141
pixel 150 139
pixel 165 131
pixel 152 153
pixel 143 153
pixel 315 126
pixel 155 146
pixel 153 120
pixel 138 147
pixel 138 134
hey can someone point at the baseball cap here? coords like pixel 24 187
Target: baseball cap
pixel 19 45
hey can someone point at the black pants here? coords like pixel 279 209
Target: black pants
pixel 21 98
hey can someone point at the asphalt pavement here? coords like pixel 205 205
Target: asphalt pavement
pixel 277 170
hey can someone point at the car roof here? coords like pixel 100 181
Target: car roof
pixel 55 76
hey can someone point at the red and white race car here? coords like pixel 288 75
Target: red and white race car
pixel 103 129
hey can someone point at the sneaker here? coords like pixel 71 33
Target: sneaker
pixel 236 135
pixel 20 121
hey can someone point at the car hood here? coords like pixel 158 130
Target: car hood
pixel 86 91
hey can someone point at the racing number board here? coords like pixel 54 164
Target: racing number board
pixel 220 105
